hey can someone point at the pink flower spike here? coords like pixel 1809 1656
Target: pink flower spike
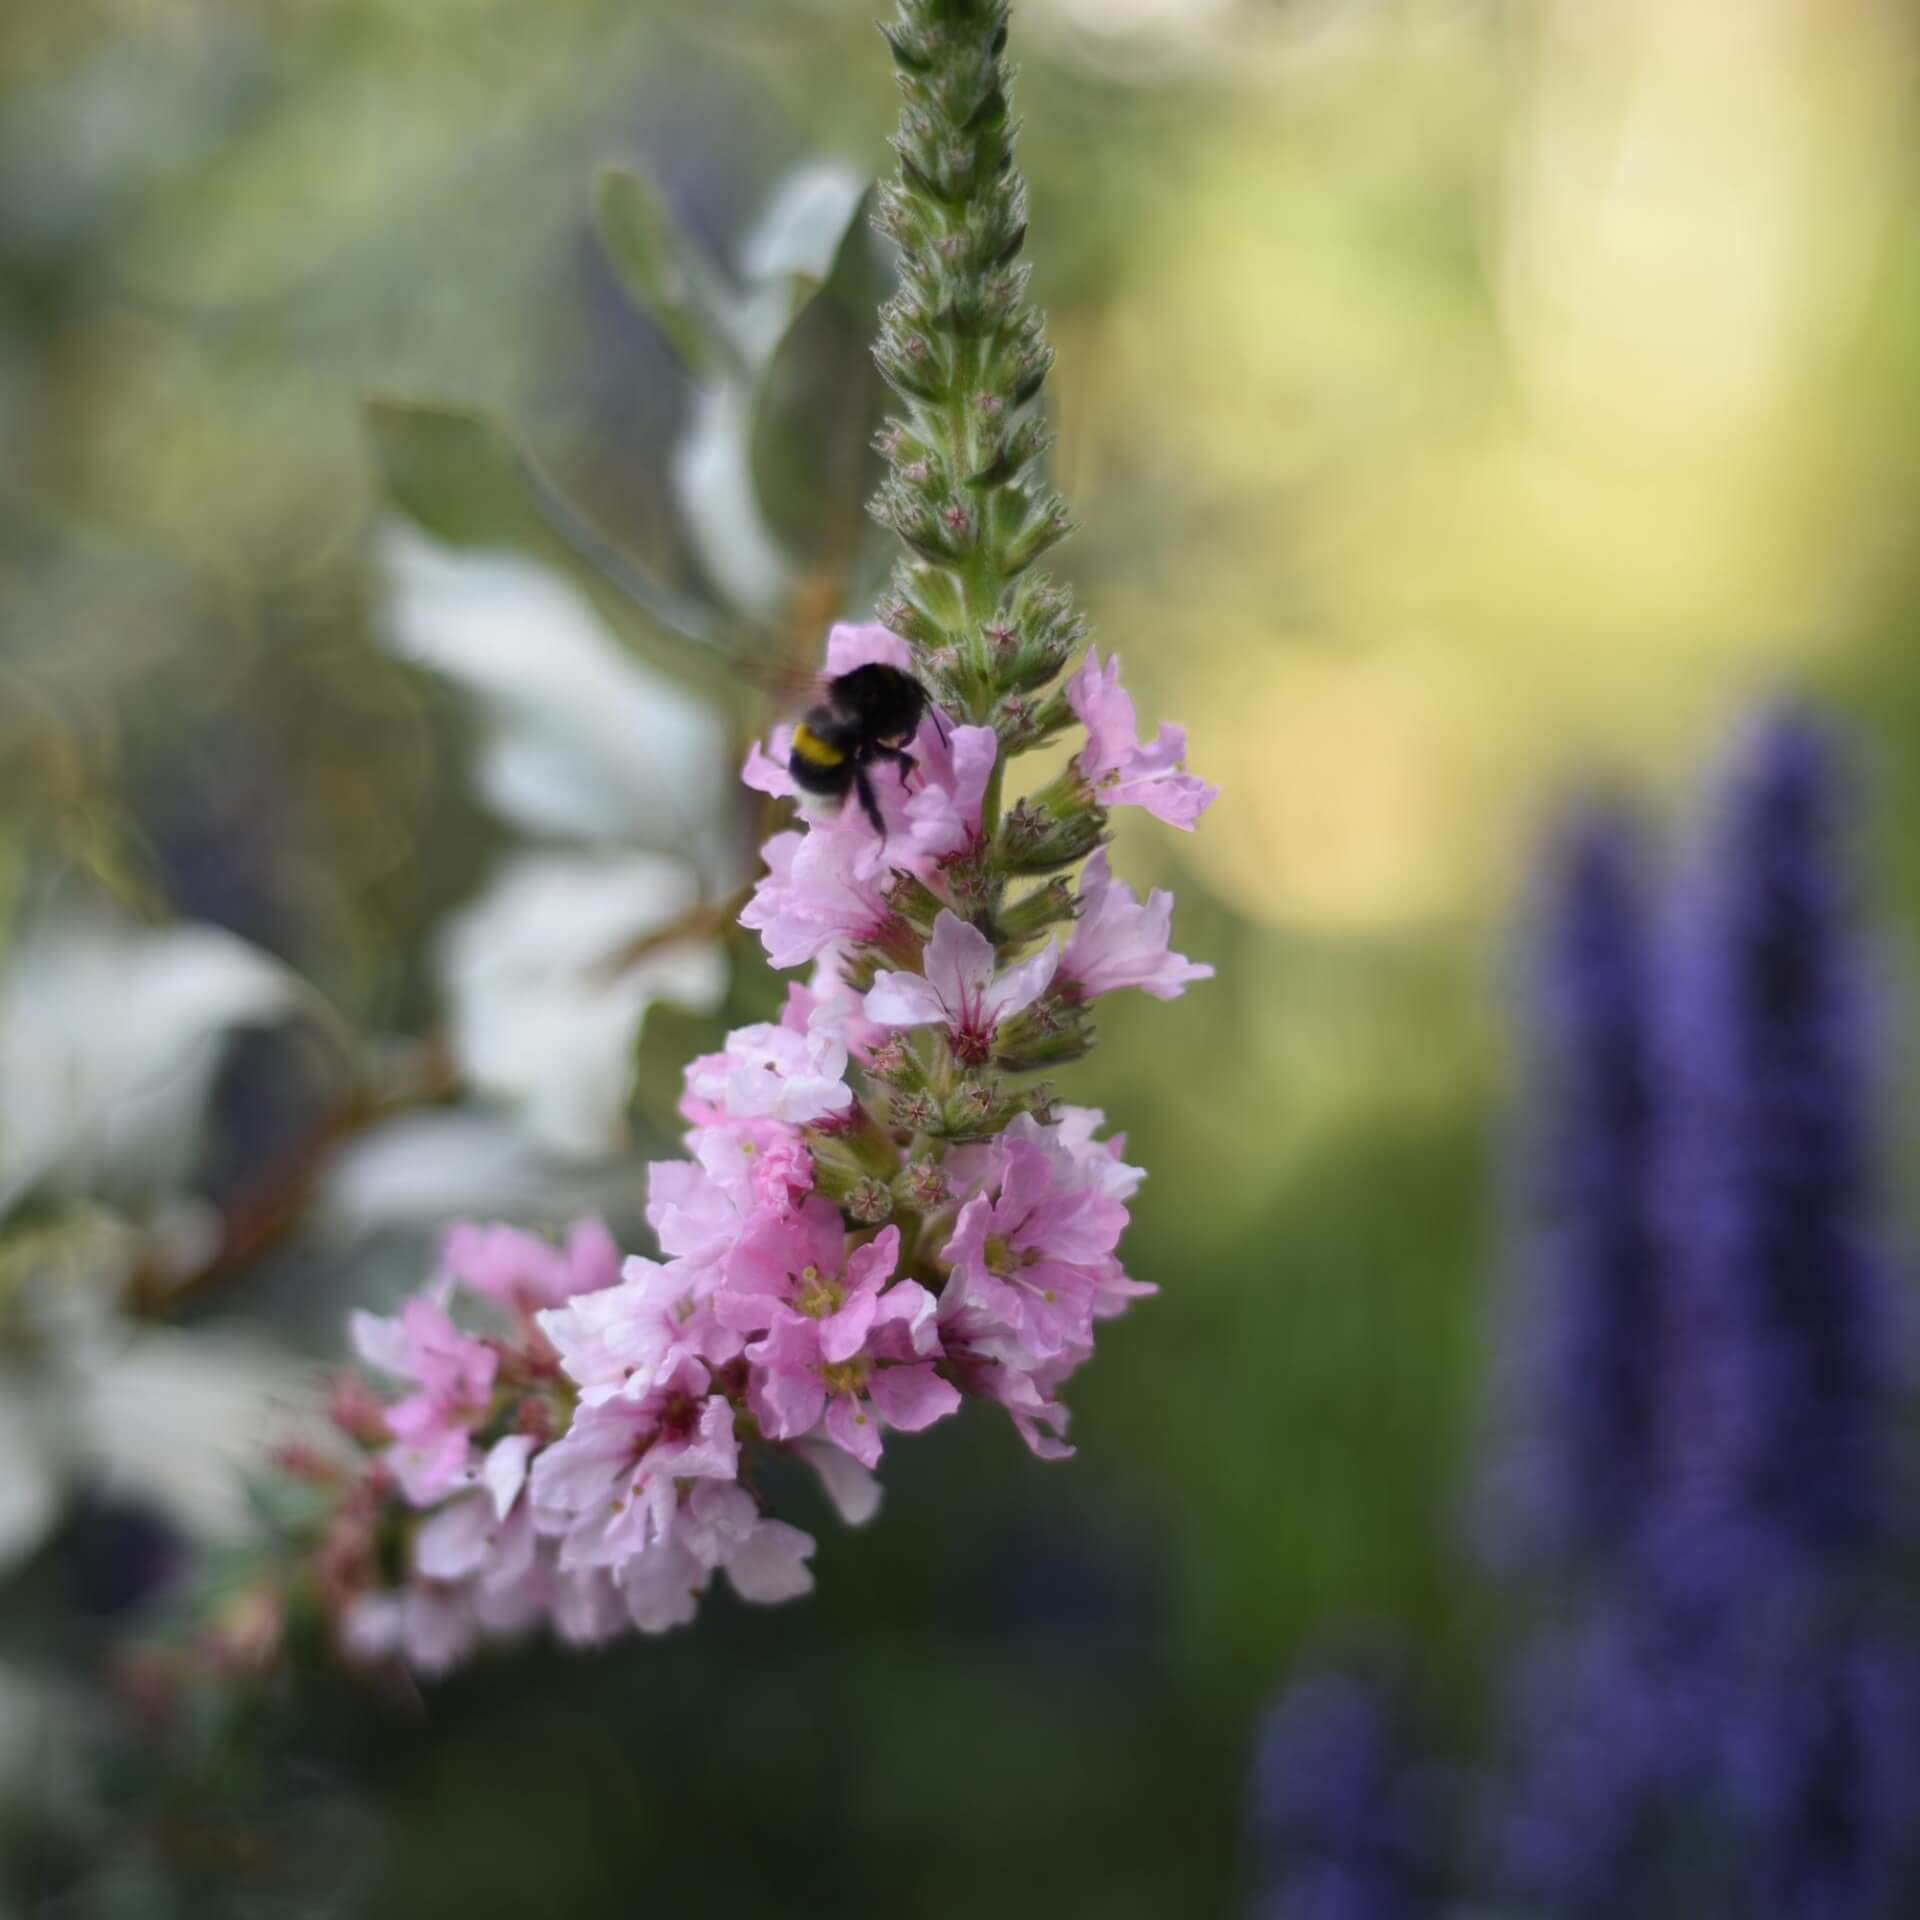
pixel 1117 942
pixel 960 989
pixel 1120 770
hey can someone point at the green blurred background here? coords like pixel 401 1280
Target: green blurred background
pixel 1464 402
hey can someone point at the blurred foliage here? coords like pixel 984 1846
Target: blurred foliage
pixel 1461 402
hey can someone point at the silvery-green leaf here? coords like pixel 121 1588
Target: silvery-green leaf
pixel 546 993
pixel 579 739
pixel 420 1170
pixel 784 259
pixel 30 1486
pixel 178 1418
pixel 110 1037
pixel 712 469
pixel 793 245
pixel 662 272
pixel 460 478
pixel 817 406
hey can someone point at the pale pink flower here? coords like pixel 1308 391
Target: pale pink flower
pixel 487 1540
pixel 523 1272
pixel 800 1261
pixel 852 1489
pixel 609 1489
pixel 961 990
pixel 429 1625
pixel 697 1208
pixel 453 1376
pixel 867 645
pixel 622 1343
pixel 943 813
pixel 1098 1162
pixel 823 888
pixel 1117 942
pixel 717 1526
pixel 888 1379
pixel 662 1587
pixel 585 1607
pixel 722 1526
pixel 1034 1256
pixel 1039 1419
pixel 765 769
pixel 1120 770
pixel 770 1072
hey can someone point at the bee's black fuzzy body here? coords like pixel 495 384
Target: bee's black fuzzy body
pixel 869 714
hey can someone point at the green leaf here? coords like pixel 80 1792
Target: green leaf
pixel 661 273
pixel 459 477
pixel 819 403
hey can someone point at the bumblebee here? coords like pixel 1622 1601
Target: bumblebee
pixel 868 715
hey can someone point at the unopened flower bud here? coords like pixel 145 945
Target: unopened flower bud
pixel 925 1185
pixel 870 1202
pixel 1050 829
pixel 1035 912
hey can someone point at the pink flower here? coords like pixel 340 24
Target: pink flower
pixel 772 1073
pixel 943 813
pixel 1098 1162
pixel 453 1376
pixel 522 1271
pixel 487 1537
pixel 716 1526
pixel 823 888
pixel 960 989
pixel 430 1625
pixel 765 770
pixel 800 1262
pixel 610 1489
pixel 622 1343
pixel 1117 942
pixel 1117 767
pixel 838 1339
pixel 886 1377
pixel 1040 1420
pixel 867 645
pixel 698 1208
pixel 1032 1259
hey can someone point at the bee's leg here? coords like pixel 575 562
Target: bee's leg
pixel 901 758
pixel 868 804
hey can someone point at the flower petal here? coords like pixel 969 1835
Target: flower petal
pixel 903 1000
pixel 911 1398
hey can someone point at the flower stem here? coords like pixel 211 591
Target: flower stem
pixel 966 353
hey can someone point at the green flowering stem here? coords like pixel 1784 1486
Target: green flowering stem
pixel 966 354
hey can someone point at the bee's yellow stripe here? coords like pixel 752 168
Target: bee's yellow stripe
pixel 815 751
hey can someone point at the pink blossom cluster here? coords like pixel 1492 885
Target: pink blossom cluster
pixel 878 1217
